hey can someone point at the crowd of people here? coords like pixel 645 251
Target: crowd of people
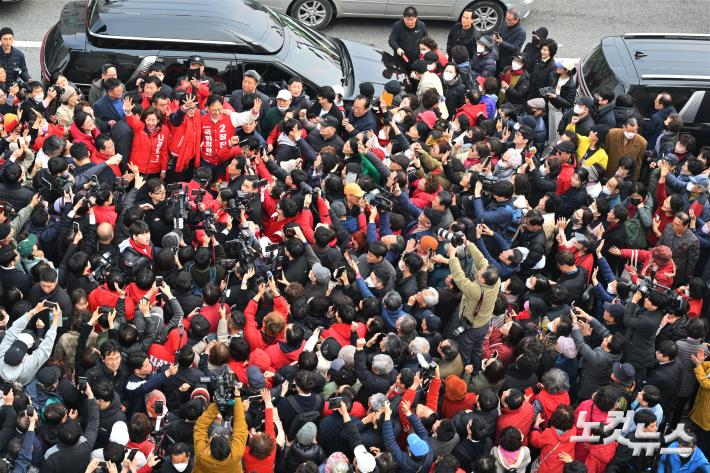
pixel 472 270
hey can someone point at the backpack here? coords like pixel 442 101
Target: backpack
pixel 512 227
pixel 635 234
pixel 302 416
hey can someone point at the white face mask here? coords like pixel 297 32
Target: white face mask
pixel 529 284
pixel 448 76
pixel 629 135
pixel 610 290
pixel 686 455
pixel 480 49
pixel 689 187
pixel 370 282
pixel 544 171
pixel 577 109
pixel 282 109
pixel 516 66
pixel 455 127
pixel 39 97
pixel 180 466
pixel 606 191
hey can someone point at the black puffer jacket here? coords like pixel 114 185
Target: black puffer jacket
pixel 297 454
pixel 641 326
pixel 540 76
pixel 107 418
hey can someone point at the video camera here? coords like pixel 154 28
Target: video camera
pixel 381 199
pixel 179 199
pixel 222 387
pixel 99 273
pixel 487 182
pixel 675 302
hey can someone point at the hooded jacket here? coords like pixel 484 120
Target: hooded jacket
pixel 204 461
pixel 551 443
pixel 671 462
pixel 107 418
pixel 149 150
pixel 30 364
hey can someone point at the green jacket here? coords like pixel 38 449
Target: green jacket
pixel 472 290
pixel 271 118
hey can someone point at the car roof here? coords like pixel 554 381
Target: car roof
pixel 659 58
pixel 237 25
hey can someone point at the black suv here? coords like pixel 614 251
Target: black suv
pixel 231 35
pixel 643 65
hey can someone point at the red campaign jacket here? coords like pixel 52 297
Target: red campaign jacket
pixel 253 335
pixel 103 296
pixel 149 151
pixel 78 136
pixel 105 213
pixel 520 418
pixel 280 358
pixel 472 111
pixel 663 275
pixel 164 354
pixel 341 332
pixel 550 402
pixel 185 142
pixel 215 136
pixel 97 157
pixel 449 408
pixel 211 313
pixel 564 179
pixel 203 91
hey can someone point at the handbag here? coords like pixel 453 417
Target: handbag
pixel 535 468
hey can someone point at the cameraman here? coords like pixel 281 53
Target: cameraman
pixel 477 303
pixel 642 324
pixel 216 452
pixel 497 212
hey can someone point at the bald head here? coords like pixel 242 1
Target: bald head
pixel 105 232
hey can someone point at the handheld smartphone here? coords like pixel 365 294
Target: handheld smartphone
pixel 158 281
pixel 158 407
pixel 193 74
pixel 334 402
pixel 49 304
pixel 81 381
pixel 132 453
pixel 104 309
pixel 30 410
pixel 76 227
pixel 103 464
pixel 269 275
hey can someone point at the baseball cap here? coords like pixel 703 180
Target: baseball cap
pixel 365 460
pixel 329 120
pixel 536 103
pixel 284 94
pixel 18 349
pixel 615 310
pixel 48 375
pixel 428 117
pixel 25 246
pixel 566 147
pixel 624 372
pixel 353 188
pixel 196 60
pixel 586 101
pixel 417 446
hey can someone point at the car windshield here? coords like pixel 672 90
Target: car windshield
pixel 597 73
pixel 325 60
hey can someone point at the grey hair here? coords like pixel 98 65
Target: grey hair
pixel 392 300
pixel 382 364
pixel 515 13
pixel 377 401
pixel 407 324
pixel 419 345
pixel 431 296
pixel 555 381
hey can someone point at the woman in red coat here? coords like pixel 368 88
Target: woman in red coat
pixel 551 442
pixel 84 130
pixel 151 140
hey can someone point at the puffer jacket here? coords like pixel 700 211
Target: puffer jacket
pixel 547 440
pixel 149 150
pixel 485 64
pixel 297 454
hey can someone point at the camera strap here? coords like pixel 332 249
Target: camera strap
pixel 475 311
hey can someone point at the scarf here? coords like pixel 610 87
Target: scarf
pixel 510 459
pixel 145 250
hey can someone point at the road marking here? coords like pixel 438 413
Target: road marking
pixel 27 44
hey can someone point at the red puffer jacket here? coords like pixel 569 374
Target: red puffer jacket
pixel 149 150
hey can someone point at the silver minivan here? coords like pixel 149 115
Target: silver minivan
pixel 317 14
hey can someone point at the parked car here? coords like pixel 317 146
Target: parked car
pixel 232 36
pixel 643 65
pixel 318 14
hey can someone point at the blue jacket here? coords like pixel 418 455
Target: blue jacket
pixel 389 316
pixel 497 215
pixel 405 463
pixel 137 388
pixel 654 127
pixel 362 124
pixel 513 39
pixel 504 271
pixel 670 463
pixel 104 110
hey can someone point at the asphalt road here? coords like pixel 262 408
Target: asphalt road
pixel 576 25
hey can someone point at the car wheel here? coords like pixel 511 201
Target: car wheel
pixel 314 13
pixel 487 16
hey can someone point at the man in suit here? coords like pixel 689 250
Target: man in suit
pixel 109 108
pixel 10 275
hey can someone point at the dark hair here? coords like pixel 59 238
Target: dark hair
pixel 514 399
pixel 562 418
pixel 69 432
pixel 668 348
pixel 410 11
pixel 511 439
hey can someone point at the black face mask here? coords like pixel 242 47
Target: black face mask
pixel 635 201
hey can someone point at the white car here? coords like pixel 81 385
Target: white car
pixel 488 14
